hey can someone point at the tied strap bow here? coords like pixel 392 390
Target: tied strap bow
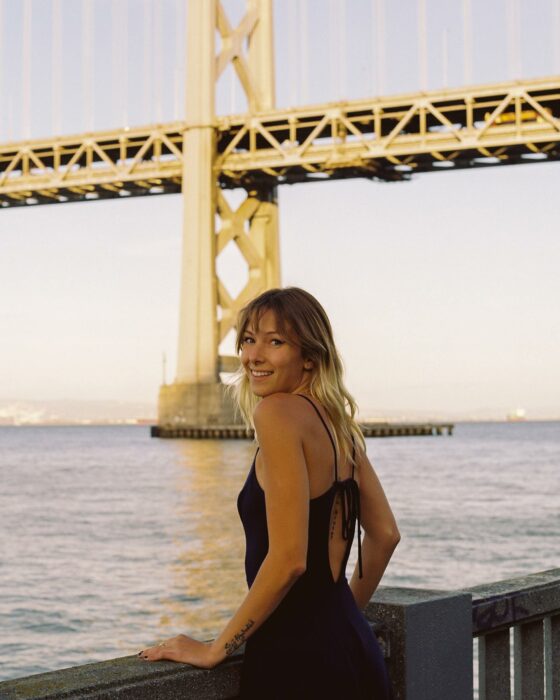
pixel 350 497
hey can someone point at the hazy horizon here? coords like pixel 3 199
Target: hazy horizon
pixel 45 411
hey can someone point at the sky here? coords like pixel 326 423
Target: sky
pixel 442 291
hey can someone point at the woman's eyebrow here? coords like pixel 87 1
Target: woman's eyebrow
pixel 267 332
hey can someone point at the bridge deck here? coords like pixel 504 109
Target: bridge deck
pixel 379 138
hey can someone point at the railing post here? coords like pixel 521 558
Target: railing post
pixel 429 641
pixel 528 647
pixel 552 651
pixel 494 681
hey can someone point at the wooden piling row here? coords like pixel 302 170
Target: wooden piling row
pixel 236 432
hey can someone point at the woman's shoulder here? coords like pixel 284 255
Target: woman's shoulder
pixel 282 406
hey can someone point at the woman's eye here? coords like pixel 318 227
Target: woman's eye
pixel 274 340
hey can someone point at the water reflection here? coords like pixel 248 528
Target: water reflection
pixel 208 568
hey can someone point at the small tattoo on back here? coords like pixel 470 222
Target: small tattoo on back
pixel 334 517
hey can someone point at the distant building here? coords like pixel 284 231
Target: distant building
pixel 517 415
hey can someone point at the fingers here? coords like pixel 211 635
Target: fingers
pixel 151 654
pixel 163 650
pixel 157 653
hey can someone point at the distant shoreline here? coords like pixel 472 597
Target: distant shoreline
pixel 80 423
pixel 147 422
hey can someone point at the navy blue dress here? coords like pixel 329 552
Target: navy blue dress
pixel 316 643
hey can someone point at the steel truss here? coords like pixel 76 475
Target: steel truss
pixel 389 138
pixel 138 161
pixel 382 138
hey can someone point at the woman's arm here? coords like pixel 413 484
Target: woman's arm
pixel 381 532
pixel 286 486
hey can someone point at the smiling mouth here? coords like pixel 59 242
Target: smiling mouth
pixel 260 374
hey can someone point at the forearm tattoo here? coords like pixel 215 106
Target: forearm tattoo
pixel 238 639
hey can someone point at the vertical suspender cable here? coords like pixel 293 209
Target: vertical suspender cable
pixel 26 70
pixel 518 42
pixel 467 43
pixel 119 59
pixel 372 53
pixel 556 35
pixel 147 64
pixel 115 63
pixel 445 57
pixel 178 62
pixel 56 67
pixel 304 53
pixel 293 49
pixel 333 52
pixel 87 64
pixel 337 46
pixel 513 39
pixel 2 101
pixel 380 45
pixel 124 59
pixel 422 46
pixel 158 63
pixel 509 39
pixel 342 50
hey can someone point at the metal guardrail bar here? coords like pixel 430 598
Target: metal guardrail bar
pixel 530 607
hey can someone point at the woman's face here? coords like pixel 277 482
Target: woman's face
pixel 275 353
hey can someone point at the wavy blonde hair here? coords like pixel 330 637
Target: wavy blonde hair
pixel 301 318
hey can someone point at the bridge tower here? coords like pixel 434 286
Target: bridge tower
pixel 207 311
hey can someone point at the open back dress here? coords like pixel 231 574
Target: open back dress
pixel 316 643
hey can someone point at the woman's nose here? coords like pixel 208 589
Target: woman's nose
pixel 254 352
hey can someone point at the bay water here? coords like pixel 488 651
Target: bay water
pixel 111 541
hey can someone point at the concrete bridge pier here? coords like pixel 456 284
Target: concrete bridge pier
pixel 210 222
pixel 200 405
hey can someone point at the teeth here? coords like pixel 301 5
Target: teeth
pixel 260 374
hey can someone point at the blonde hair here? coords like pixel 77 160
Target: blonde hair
pixel 301 317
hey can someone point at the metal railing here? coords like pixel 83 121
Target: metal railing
pixel 426 637
pixel 517 623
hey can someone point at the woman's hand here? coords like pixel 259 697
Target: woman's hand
pixel 184 650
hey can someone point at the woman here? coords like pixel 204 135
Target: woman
pixel 309 483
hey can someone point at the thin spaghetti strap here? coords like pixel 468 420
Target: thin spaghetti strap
pixel 350 496
pixel 328 432
pixel 353 455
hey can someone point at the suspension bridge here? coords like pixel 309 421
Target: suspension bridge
pixel 203 155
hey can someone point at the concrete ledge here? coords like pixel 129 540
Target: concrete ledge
pixel 130 678
pixel 426 637
pixel 411 626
